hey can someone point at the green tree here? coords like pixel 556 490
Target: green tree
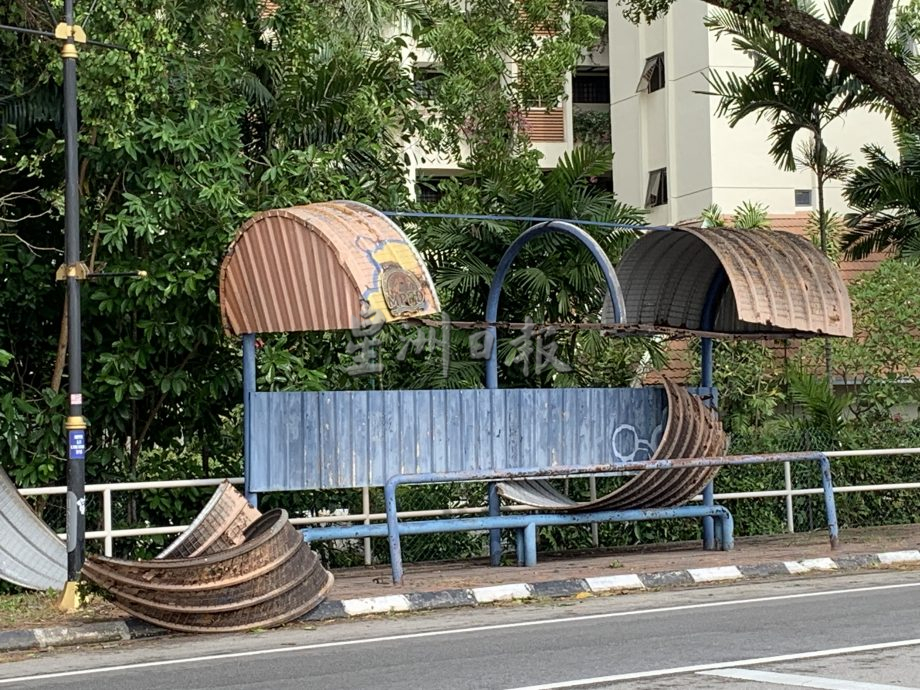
pixel 885 196
pixel 219 111
pixel 794 88
pixel 554 279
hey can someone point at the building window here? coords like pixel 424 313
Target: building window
pixel 425 82
pixel 591 88
pixel 652 78
pixel 657 194
pixel 429 191
pixel 803 197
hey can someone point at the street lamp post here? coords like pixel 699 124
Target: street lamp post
pixel 75 272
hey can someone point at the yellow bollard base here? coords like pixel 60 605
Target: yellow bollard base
pixel 71 598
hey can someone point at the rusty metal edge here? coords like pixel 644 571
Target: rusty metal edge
pixel 276 621
pixel 225 500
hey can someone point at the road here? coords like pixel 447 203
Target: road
pixel 846 632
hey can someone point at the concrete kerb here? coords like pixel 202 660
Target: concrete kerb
pixel 116 631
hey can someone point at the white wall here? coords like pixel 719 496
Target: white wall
pixel 707 160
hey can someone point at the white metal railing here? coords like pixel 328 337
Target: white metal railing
pixel 109 535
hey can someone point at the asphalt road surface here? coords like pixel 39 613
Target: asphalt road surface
pixel 844 633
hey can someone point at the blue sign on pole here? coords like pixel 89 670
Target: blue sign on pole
pixel 76 444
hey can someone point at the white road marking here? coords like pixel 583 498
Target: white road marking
pixel 606 583
pixel 480 629
pixel 387 604
pixel 801 680
pixel 725 572
pixel 890 557
pixel 677 670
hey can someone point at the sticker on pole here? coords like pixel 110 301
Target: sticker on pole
pixel 76 444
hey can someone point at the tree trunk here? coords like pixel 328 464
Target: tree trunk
pixel 61 357
pixel 868 60
pixel 822 236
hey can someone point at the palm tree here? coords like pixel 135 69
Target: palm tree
pixel 793 88
pixel 554 279
pixel 885 194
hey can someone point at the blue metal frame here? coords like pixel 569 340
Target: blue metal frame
pixel 249 386
pixel 394 529
pixel 495 291
pixel 714 295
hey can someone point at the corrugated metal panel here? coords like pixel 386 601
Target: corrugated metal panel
pixel 779 283
pixel 31 555
pixel 692 431
pixel 313 267
pixel 221 525
pixel 270 578
pixel 361 438
pixel 543 125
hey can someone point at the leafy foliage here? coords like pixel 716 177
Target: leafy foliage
pixel 221 110
pixel 747 215
pixel 591 127
pixel 790 86
pixel 554 279
pixel 886 198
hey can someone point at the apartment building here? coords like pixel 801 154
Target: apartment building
pixel 672 155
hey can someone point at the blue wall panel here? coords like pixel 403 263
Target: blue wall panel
pixel 350 439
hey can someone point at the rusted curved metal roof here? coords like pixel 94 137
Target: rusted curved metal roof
pixel 31 555
pixel 268 579
pixel 778 283
pixel 322 267
pixel 219 526
pixel 692 431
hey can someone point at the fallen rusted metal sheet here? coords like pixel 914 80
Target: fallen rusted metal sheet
pixel 777 283
pixel 221 525
pixel 31 555
pixel 322 267
pixel 692 431
pixel 272 577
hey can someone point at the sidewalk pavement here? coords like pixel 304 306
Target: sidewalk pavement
pixel 364 591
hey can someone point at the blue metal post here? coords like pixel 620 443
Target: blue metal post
pixel 396 564
pixel 495 536
pixel 830 505
pixel 530 544
pixel 249 386
pixel 707 321
pixel 727 525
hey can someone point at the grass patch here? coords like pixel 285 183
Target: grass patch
pixel 39 609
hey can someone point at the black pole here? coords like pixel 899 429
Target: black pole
pixel 75 425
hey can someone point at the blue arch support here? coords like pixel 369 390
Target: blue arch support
pixel 498 281
pixel 495 291
pixel 714 295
